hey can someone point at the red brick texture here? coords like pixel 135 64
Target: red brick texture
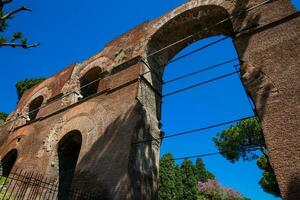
pixel 127 106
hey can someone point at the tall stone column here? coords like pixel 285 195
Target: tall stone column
pixel 271 73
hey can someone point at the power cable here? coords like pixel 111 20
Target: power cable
pixel 198 49
pixel 177 42
pixel 175 92
pixel 193 130
pixel 249 149
pixel 199 84
pixel 200 71
pixel 210 27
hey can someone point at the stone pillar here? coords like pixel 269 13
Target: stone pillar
pixel 271 75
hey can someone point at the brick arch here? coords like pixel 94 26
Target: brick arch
pixel 12 143
pixel 80 70
pixel 83 120
pixel 174 27
pixel 271 47
pixel 68 150
pixel 255 41
pixel 43 89
pixel 23 105
pixel 8 161
pixel 102 62
pixel 185 21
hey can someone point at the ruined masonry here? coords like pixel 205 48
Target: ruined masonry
pixel 82 122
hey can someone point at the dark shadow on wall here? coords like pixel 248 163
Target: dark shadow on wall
pixel 254 80
pixel 68 151
pixel 8 162
pixel 294 189
pixel 113 167
pixel 259 86
pixel 142 167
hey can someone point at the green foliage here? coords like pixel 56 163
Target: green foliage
pixel 2 180
pixel 21 87
pixel 167 178
pixel 268 180
pixel 17 39
pixel 3 116
pixel 233 143
pixel 26 84
pixel 180 181
pixel 201 173
pixel 189 180
pixel 6 197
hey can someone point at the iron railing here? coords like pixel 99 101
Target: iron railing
pixel 25 185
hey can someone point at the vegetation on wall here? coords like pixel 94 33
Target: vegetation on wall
pixel 17 39
pixel 234 141
pixel 21 87
pixel 3 116
pixel 190 181
pixel 26 84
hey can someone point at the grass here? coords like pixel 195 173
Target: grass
pixel 3 182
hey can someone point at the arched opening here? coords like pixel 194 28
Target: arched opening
pixel 68 152
pixel 8 162
pixel 222 100
pixel 89 82
pixel 34 107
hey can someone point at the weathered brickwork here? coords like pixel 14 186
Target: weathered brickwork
pixel 127 104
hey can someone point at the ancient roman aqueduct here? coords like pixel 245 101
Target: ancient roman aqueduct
pixel 59 120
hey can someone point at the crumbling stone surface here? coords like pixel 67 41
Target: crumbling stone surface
pixel 127 106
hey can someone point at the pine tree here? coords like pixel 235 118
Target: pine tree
pixel 17 39
pixel 189 180
pixel 234 142
pixel 179 184
pixel 167 186
pixel 202 175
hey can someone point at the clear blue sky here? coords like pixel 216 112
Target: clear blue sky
pixel 71 31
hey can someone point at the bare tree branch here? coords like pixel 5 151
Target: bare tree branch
pixel 14 45
pixel 8 15
pixel 5 2
pixel 17 40
pixel 2 3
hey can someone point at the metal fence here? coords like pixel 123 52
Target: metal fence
pixel 24 185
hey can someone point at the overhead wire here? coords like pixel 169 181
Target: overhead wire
pixel 192 131
pixel 203 30
pixel 169 94
pixel 248 149
pixel 64 95
pixel 201 70
pixel 183 56
pixel 210 27
pixel 199 84
pixel 177 42
pixel 198 49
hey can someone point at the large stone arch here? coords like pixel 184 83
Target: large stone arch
pixel 258 36
pixel 19 141
pixel 267 41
